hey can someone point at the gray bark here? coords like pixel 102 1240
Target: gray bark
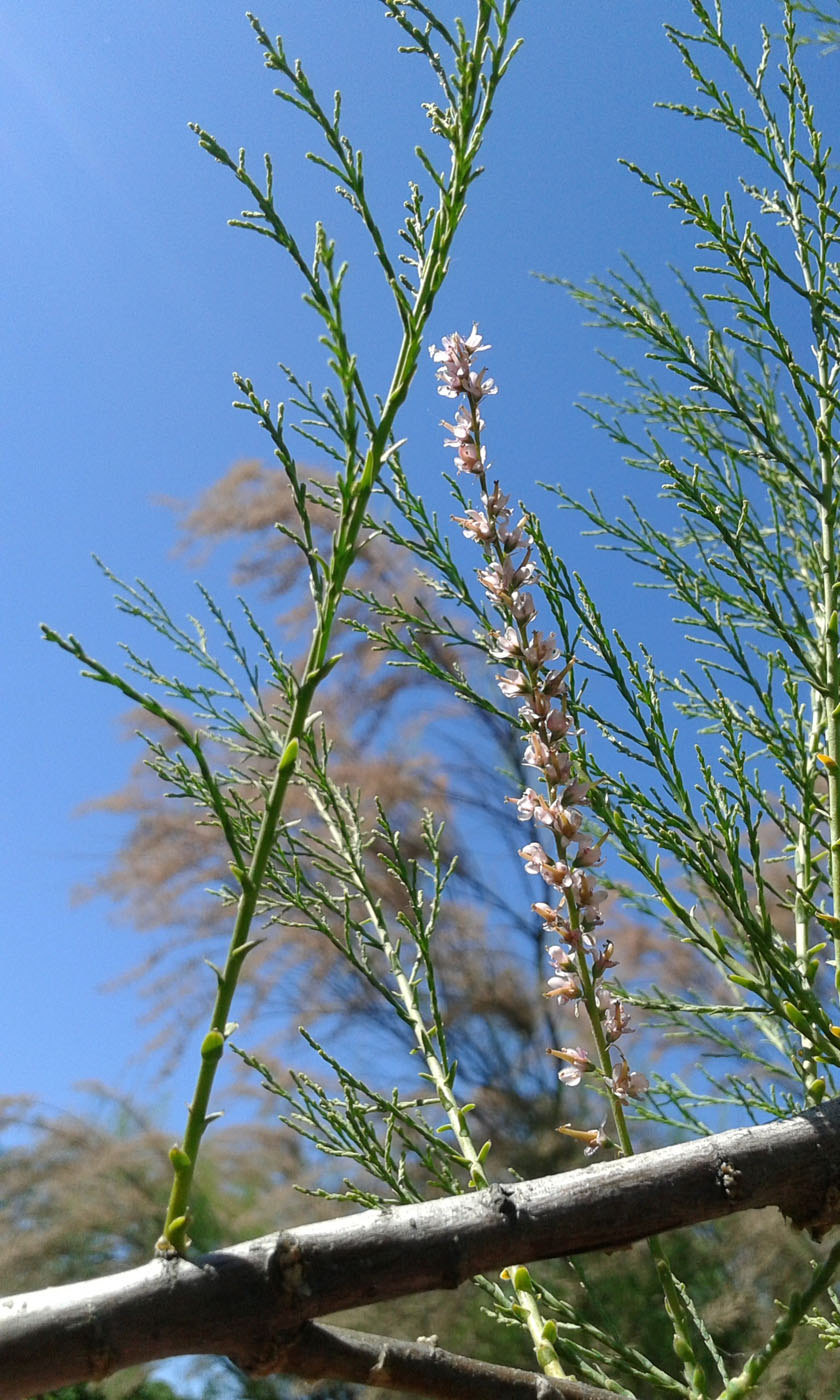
pixel 249 1302
pixel 320 1352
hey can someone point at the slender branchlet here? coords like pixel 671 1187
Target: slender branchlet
pixel 362 430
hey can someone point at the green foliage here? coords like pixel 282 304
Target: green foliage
pixel 717 784
pixel 146 1390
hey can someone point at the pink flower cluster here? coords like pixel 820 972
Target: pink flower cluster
pixel 578 963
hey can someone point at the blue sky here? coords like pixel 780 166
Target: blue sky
pixel 129 302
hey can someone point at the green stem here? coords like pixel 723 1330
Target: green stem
pixel 831 670
pixel 782 1333
pixel 674 1302
pixel 184 1157
pixel 442 1080
pixel 539 1331
pixel 475 112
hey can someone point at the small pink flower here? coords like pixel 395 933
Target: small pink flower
pixel 497 579
pixel 538 707
pixel 558 874
pixel 594 1138
pixel 478 386
pixel 577 792
pixel 538 862
pixel 470 458
pixel 554 683
pixel 559 725
pixel 564 988
pixel 497 505
pixel 501 578
pixel 522 606
pixel 565 821
pixel 588 897
pixel 515 538
pixel 616 1020
pixel 578 1063
pixel 540 649
pixel 579 938
pixel 535 858
pixel 476 526
pixel 560 959
pixel 462 429
pixel 553 920
pixel 556 764
pixel 604 958
pixel 508 645
pixel 627 1084
pixel 532 806
pixel 528 804
pixel 525 573
pixel 537 754
pixel 513 684
pixel 588 855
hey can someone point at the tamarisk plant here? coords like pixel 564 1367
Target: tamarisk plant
pixel 354 428
pixel 734 841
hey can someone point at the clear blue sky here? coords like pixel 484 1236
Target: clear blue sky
pixel 129 303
